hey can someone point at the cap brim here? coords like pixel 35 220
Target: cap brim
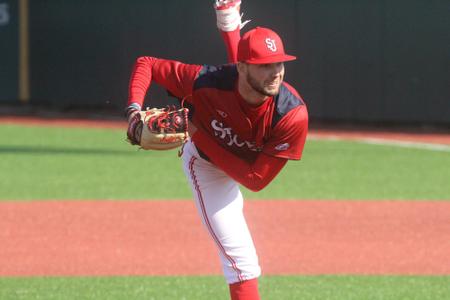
pixel 271 59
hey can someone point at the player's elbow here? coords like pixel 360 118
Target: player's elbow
pixel 255 183
pixel 256 188
pixel 145 61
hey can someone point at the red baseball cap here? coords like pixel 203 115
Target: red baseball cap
pixel 261 46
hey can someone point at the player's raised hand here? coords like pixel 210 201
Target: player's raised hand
pixel 228 15
pixel 223 4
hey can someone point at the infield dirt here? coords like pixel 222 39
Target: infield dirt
pixel 77 238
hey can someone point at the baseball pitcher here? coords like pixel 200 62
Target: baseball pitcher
pixel 239 124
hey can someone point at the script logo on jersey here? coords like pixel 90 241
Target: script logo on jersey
pixel 282 147
pixel 271 44
pixel 230 138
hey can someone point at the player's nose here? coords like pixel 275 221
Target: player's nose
pixel 277 69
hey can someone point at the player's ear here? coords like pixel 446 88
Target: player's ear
pixel 241 67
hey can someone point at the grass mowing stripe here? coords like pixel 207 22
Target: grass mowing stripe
pixel 77 163
pixel 424 146
pixel 390 142
pixel 213 287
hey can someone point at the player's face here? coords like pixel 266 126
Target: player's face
pixel 266 79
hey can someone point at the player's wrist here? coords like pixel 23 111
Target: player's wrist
pixel 131 110
pixel 224 4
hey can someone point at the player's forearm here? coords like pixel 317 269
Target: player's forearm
pixel 140 80
pixel 254 176
pixel 231 40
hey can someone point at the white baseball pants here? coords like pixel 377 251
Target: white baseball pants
pixel 220 204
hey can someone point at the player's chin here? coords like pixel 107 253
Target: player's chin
pixel 271 89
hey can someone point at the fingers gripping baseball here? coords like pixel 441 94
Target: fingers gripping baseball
pixel 134 130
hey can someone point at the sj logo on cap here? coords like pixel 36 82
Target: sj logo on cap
pixel 271 44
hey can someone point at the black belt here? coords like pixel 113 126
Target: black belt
pixel 202 155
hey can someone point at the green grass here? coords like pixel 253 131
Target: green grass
pixel 63 163
pixel 214 288
pixel 351 170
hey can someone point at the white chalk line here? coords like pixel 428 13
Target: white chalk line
pixel 386 142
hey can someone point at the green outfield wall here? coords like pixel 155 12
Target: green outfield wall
pixel 9 48
pixel 368 60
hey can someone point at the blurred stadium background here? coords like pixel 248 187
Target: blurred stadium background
pixel 368 63
pixel 372 62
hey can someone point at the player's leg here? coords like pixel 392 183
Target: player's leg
pixel 228 20
pixel 220 205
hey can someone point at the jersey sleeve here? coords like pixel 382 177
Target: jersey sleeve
pixel 231 41
pixel 289 135
pixel 176 77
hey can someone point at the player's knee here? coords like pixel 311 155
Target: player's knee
pixel 244 270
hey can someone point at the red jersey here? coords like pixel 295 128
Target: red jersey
pixel 278 127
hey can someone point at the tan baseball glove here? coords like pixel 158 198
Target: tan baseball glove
pixel 158 128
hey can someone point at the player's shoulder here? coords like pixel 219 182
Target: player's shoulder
pixel 221 77
pixel 288 102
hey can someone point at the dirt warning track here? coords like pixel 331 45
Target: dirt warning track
pixel 76 238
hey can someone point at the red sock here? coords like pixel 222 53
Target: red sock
pixel 245 290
